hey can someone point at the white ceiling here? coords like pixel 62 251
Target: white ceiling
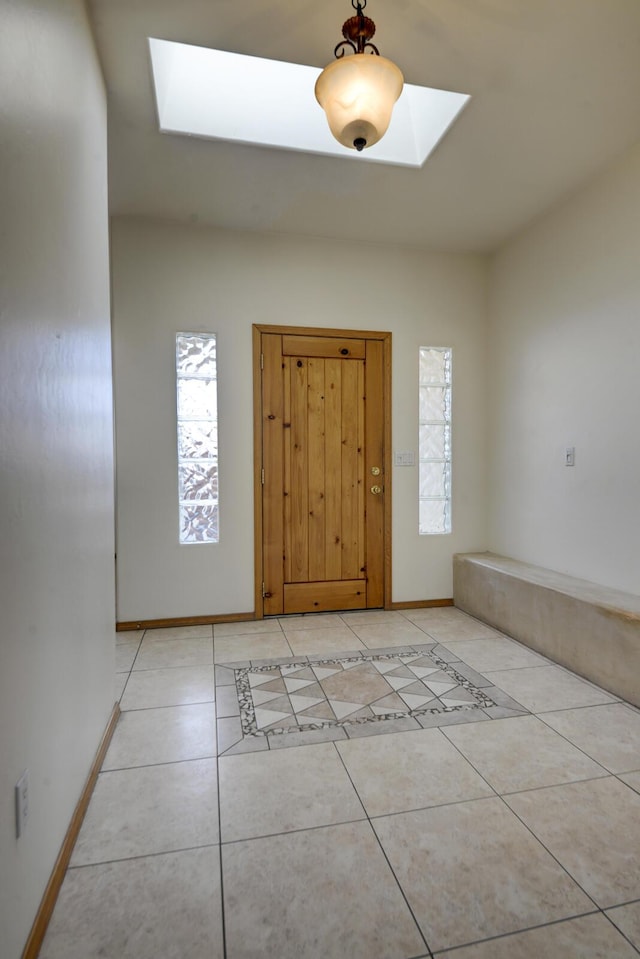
pixel 555 88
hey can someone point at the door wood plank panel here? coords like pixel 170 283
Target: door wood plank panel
pixel 319 597
pixel 272 460
pixel 362 478
pixel 333 453
pixel 316 481
pixel 323 346
pixel 298 486
pixel 375 453
pixel 286 455
pixel 352 470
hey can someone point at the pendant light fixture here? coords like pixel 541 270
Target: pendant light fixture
pixel 358 91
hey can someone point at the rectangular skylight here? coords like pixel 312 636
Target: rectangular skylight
pixel 228 96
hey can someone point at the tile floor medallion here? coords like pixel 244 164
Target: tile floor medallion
pixel 282 698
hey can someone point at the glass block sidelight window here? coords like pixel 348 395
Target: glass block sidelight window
pixel 435 440
pixel 197 396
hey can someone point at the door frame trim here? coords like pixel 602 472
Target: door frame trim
pixel 385 338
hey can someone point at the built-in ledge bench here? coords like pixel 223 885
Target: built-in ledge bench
pixel 591 629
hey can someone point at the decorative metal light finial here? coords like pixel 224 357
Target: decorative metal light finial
pixel 358 91
pixel 357 32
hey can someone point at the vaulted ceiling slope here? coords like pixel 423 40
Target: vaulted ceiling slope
pixel 555 88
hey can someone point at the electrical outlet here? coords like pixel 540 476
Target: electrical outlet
pixel 22 802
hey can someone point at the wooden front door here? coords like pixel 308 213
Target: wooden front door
pixel 323 457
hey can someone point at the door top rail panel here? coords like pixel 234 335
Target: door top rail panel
pixel 323 331
pixel 324 346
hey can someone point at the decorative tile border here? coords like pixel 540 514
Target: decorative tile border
pixel 250 727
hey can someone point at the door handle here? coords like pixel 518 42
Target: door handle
pixel 376 490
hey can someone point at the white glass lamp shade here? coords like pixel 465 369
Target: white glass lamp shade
pixel 358 94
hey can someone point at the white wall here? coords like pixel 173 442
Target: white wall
pixel 168 278
pixel 56 469
pixel 564 370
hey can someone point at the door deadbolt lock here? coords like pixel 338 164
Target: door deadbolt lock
pixel 375 471
pixel 376 490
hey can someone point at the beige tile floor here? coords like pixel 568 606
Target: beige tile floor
pixel 503 831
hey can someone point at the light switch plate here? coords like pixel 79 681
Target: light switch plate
pixel 404 458
pixel 22 803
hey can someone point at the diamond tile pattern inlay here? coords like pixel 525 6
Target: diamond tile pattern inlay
pixel 290 697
